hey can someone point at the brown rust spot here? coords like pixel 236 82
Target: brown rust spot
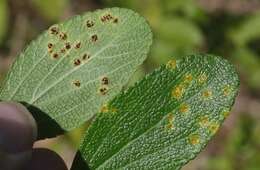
pixel 67 46
pixel 115 20
pixel 94 38
pixel 90 23
pixel 103 90
pixel 54 30
pixel 77 83
pixel 63 36
pixel 62 50
pixel 86 56
pixel 78 45
pixel 104 81
pixel 106 18
pixel 55 55
pixel 50 45
pixel 77 62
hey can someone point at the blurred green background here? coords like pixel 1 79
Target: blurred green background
pixel 229 28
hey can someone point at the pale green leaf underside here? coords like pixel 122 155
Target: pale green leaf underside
pixel 165 120
pixel 61 72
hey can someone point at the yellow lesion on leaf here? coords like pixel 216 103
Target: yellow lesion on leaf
pixel 184 108
pixel 213 127
pixel 106 108
pixel 170 119
pixel 188 78
pixel 226 90
pixel 207 94
pixel 226 113
pixel 171 64
pixel 204 121
pixel 202 78
pixel 194 139
pixel 177 92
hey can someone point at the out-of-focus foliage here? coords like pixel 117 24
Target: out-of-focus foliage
pixel 176 34
pixel 244 37
pixel 240 150
pixel 3 19
pixel 51 9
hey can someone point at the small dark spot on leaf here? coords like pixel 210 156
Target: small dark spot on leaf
pixel 94 38
pixel 107 17
pixel 55 55
pixel 77 83
pixel 90 23
pixel 67 46
pixel 63 50
pixel 77 62
pixel 86 56
pixel 63 36
pixel 104 81
pixel 54 30
pixel 115 20
pixel 78 45
pixel 103 90
pixel 50 45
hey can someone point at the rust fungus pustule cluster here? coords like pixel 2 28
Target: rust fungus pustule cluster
pixel 109 18
pixel 90 23
pixel 103 90
pixel 62 37
pixel 78 45
pixel 104 82
pixel 77 62
pixel 85 56
pixel 54 30
pixel 76 83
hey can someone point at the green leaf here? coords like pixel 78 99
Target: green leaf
pixel 165 120
pixel 76 66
